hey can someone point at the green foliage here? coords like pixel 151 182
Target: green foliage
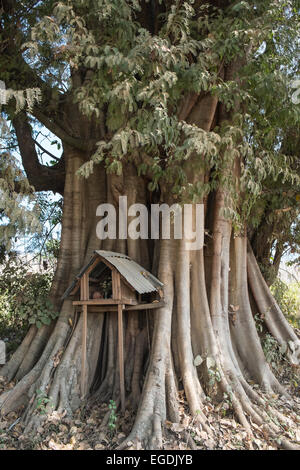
pixel 52 248
pixel 133 76
pixel 23 213
pixel 45 242
pixel 42 402
pixel 213 372
pixel 276 354
pixel 226 403
pixel 23 99
pixel 18 206
pixel 106 287
pixel 259 322
pixel 288 299
pixel 112 417
pixel 142 78
pixel 273 352
pixel 24 298
pixel 214 376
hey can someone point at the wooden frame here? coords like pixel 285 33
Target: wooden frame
pixel 101 302
pixel 121 356
pixel 94 308
pixel 119 302
pixel 84 293
pixel 85 302
pixel 90 269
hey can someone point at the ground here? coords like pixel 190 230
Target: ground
pixel 89 428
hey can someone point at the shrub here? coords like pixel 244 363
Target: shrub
pixel 24 300
pixel 288 299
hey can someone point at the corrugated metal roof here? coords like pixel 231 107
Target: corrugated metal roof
pixel 138 277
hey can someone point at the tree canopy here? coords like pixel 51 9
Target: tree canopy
pixel 135 69
pixel 161 101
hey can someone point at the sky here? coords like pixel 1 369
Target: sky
pixel 46 139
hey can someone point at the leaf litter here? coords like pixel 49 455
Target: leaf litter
pixel 85 429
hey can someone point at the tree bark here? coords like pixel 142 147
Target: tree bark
pixel 197 319
pixel 207 312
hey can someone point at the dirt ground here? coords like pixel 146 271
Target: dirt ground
pixel 96 427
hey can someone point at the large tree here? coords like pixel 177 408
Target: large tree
pixel 163 102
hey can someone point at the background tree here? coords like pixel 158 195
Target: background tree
pixel 165 101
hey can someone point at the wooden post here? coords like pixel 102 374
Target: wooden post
pixel 84 294
pixel 116 285
pixel 121 356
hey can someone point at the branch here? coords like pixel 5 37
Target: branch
pixel 46 151
pixel 23 77
pixel 59 132
pixel 284 209
pixel 42 177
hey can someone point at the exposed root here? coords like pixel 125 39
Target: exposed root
pixel 207 312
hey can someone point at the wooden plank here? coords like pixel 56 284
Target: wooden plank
pixel 85 279
pixel 83 356
pixel 149 306
pixel 81 289
pixel 73 292
pixel 114 269
pixel 101 309
pixel 121 356
pixel 104 302
pixel 113 284
pixel 116 284
pixel 97 302
pixel 127 293
pixel 114 308
pixel 84 293
pixel 93 265
pixel 126 301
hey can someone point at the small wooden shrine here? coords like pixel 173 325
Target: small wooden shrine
pixel 113 282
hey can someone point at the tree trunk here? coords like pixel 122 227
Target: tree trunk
pixel 207 313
